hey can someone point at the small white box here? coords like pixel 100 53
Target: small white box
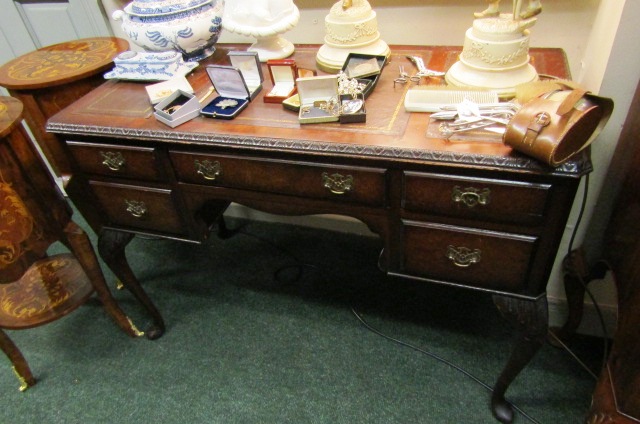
pixel 319 100
pixel 177 109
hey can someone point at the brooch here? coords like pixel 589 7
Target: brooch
pixel 227 103
pixel 350 107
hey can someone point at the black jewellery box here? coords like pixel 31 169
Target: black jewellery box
pixel 249 65
pixel 352 109
pixel 366 68
pixel 233 93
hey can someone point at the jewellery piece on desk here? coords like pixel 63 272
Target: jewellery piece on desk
pixel 352 110
pixel 177 109
pixel 402 78
pixel 206 95
pixel 352 106
pixel 318 99
pixel 330 106
pixel 227 103
pixel 172 109
pixel 231 86
pixel 422 70
pixel 350 86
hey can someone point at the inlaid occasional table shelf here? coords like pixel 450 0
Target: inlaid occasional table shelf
pixel 419 193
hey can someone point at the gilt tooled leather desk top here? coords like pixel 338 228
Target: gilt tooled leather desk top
pixel 122 108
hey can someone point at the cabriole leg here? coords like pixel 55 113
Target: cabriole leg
pixel 111 245
pixel 531 320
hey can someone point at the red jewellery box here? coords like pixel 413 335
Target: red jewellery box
pixel 283 74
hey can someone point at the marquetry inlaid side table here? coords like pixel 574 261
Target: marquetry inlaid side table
pixel 36 288
pixel 49 79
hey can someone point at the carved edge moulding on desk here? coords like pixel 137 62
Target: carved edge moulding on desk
pixel 415 192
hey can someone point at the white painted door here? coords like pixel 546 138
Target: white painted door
pixel 27 25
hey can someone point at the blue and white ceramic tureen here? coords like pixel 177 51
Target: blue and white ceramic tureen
pixel 191 27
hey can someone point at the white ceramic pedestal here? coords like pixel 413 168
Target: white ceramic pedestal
pixel 272 47
pixel 331 59
pixel 502 82
pixel 495 56
pixel 266 21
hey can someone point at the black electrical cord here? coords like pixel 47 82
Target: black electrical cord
pixel 599 313
pixel 300 267
pixel 439 359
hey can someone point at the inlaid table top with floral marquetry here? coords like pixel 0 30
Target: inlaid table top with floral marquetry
pixel 61 63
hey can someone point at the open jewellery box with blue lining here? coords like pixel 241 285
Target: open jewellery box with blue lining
pixel 234 95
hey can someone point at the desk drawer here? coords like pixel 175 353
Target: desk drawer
pixel 475 198
pixel 136 207
pixel 485 259
pixel 350 184
pixel 117 161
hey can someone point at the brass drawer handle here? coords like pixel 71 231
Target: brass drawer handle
pixel 337 183
pixel 209 170
pixel 471 196
pixel 136 208
pixel 113 160
pixel 463 257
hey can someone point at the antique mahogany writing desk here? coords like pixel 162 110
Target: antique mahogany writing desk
pixel 468 213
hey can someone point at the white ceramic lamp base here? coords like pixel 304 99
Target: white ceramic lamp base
pixel 272 47
pixel 331 59
pixel 503 82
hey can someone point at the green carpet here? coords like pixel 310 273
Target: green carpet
pixel 250 341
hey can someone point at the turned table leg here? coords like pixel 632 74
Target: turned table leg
pixel 20 365
pixel 111 245
pixel 79 243
pixel 531 320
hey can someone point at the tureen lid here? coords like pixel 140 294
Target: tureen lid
pixel 160 7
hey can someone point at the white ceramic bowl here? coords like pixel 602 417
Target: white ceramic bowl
pixel 191 27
